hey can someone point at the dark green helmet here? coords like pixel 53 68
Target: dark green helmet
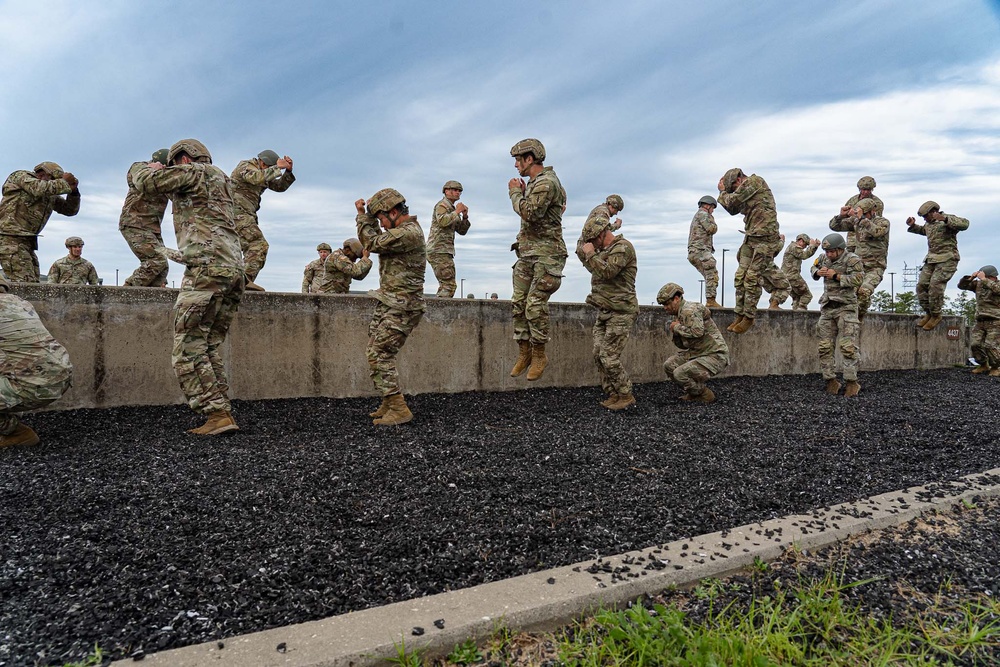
pixel 324 246
pixel 269 158
pixel 668 292
pixel 161 156
pixel 834 242
pixel 989 270
pixel 708 199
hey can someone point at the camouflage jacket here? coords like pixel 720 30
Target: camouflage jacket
pixel 942 241
pixel 754 200
pixel 202 209
pixel 249 183
pixel 791 261
pixel 140 210
pixel 69 271
pixel 599 214
pixel 696 333
pixel 312 276
pixel 703 229
pixel 879 206
pixel 29 353
pixel 612 277
pixel 843 288
pixel 339 271
pixel 402 261
pixel 871 240
pixel 29 201
pixel 541 209
pixel 444 223
pixel 987 296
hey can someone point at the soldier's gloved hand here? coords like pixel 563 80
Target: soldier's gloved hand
pixel 71 179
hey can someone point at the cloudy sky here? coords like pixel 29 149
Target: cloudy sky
pixel 653 100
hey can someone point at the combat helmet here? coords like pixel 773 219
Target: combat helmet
pixel 803 237
pixel 354 245
pixel 161 156
pixel 834 242
pixel 324 246
pixel 989 270
pixel 668 292
pixel 384 201
pixel 194 148
pixel 729 178
pixel 533 146
pixel 616 201
pixel 269 158
pixel 74 241
pixel 927 207
pixel 50 168
pixel 866 183
pixel 451 185
pixel 866 204
pixel 594 228
pixel 708 199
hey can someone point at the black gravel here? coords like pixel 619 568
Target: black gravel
pixel 121 530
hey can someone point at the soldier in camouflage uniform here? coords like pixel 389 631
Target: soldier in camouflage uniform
pixel 941 262
pixel 842 273
pixel 250 179
pixel 749 195
pixel 986 333
pixel 701 351
pixel 312 277
pixel 34 368
pixel 139 224
pixel 345 264
pixel 871 232
pixel 802 248
pixel 701 249
pixel 73 269
pixel 541 253
pixel 28 201
pixel 209 248
pixel 448 219
pixel 865 186
pixel 402 261
pixel 612 265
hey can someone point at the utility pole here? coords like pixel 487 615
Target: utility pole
pixel 722 280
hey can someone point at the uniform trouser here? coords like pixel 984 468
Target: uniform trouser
pixel 444 270
pixel 535 280
pixel 873 278
pixel 153 269
pixel 611 332
pixel 986 342
pixel 387 332
pixel 18 258
pixel 931 283
pixel 799 290
pixel 32 382
pixel 704 261
pixel 691 374
pixel 206 306
pixel 838 326
pixel 756 258
pixel 253 243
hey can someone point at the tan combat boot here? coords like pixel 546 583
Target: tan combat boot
pixel 744 325
pixel 979 370
pixel 932 322
pixel 22 435
pixel 380 410
pixel 832 386
pixel 707 396
pixel 712 303
pixel 523 358
pixel 624 401
pixel 610 400
pixel 774 305
pixel 398 413
pixel 736 323
pixel 251 286
pixel 218 422
pixel 853 387
pixel 538 362
pixel 923 320
pixel 995 373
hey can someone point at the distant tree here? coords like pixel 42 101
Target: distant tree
pixel 905 302
pixel 964 305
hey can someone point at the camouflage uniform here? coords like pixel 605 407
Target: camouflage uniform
pixel 701 250
pixel 612 292
pixel 27 203
pixel 213 280
pixel 839 313
pixel 249 183
pixel 791 266
pixel 139 224
pixel 941 261
pixel 541 254
pixel 852 240
pixel 401 266
pixel 761 243
pixel 702 351
pixel 872 243
pixel 70 270
pixel 986 333
pixel 312 277
pixel 441 245
pixel 339 270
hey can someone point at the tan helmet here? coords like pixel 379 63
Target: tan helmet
pixel 385 200
pixel 324 246
pixel 533 146
pixel 50 168
pixel 729 178
pixel 269 158
pixel 594 228
pixel 668 292
pixel 4 284
pixel 451 185
pixel 867 205
pixel 803 237
pixel 194 149
pixel 866 183
pixel 354 245
pixel 161 156
pixel 74 241
pixel 616 201
pixel 927 207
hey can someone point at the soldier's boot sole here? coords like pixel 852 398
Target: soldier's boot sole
pixel 610 400
pixel 22 435
pixel 852 389
pixel 623 402
pixel 931 323
pixel 380 410
pixel 523 359
pixel 538 362
pixel 832 387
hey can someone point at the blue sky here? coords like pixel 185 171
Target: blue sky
pixel 652 100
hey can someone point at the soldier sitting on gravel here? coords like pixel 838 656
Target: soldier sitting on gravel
pixel 702 351
pixel 986 333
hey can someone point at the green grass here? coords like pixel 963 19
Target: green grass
pixel 92 660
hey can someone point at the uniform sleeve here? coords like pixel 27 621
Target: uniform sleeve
pixel 709 225
pixel 69 206
pixel 36 187
pixel 843 224
pixel 444 218
pixel 809 251
pixel 162 181
pixel 917 228
pixel 54 273
pixel 956 223
pixel 692 324
pixel 816 266
pixel 92 278
pixel 462 225
pixel 875 227
pixel 533 207
pixel 359 270
pixel 967 283
pixel 607 265
pixel 368 229
pixel 259 177
pixel 854 276
pixel 396 240
pixel 307 277
pixel 281 183
pixel 991 286
pixel 730 202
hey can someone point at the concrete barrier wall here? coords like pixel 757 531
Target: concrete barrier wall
pixel 296 345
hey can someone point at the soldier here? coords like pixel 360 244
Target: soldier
pixel 345 264
pixel 865 186
pixel 28 201
pixel 802 248
pixel 312 277
pixel 210 293
pixel 448 218
pixel 139 224
pixel 541 253
pixel 400 294
pixel 872 242
pixel 73 269
pixel 986 333
pixel 941 262
pixel 494 296
pixel 34 368
pixel 701 249
pixel 250 179
pixel 842 273
pixel 612 265
pixel 600 214
pixel 701 351
pixel 749 195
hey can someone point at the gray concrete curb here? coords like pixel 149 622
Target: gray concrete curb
pixel 548 599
